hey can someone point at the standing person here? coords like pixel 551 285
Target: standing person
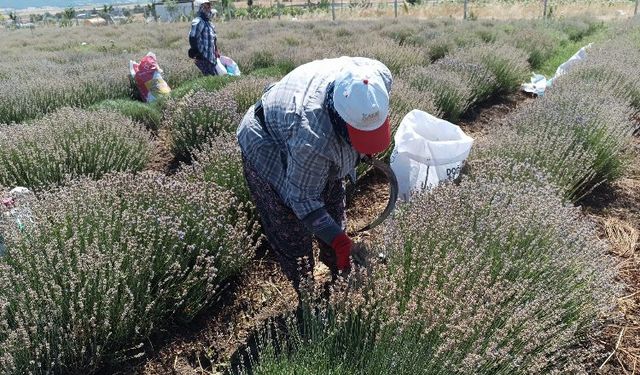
pixel 299 141
pixel 203 39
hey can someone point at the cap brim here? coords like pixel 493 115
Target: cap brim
pixel 371 142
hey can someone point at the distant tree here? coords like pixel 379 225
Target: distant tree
pixel 13 17
pixel 67 17
pixel 69 13
pixel 33 18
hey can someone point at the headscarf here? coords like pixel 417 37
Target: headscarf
pixel 339 125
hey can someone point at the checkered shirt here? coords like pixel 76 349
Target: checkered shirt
pixel 299 152
pixel 205 33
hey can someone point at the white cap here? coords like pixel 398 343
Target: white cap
pixel 361 99
pixel 198 3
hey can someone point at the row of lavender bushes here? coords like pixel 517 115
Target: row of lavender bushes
pixel 107 254
pixel 499 274
pixel 80 70
pixel 101 266
pixel 107 263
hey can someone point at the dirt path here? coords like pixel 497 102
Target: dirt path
pixel 616 209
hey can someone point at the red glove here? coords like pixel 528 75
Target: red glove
pixel 342 246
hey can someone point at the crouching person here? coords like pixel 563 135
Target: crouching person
pixel 299 141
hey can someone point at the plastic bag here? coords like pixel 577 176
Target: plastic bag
pixel 537 86
pixel 17 209
pixel 566 66
pixel 427 150
pixel 148 78
pixel 220 68
pixel 230 65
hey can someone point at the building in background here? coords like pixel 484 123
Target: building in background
pixel 169 11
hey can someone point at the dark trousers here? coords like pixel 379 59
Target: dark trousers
pixel 287 235
pixel 207 68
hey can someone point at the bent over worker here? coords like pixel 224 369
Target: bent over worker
pixel 299 141
pixel 203 39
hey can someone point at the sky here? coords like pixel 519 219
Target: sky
pixel 24 4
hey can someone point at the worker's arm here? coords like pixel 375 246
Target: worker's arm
pixel 307 176
pixel 193 39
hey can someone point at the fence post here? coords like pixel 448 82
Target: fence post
pixel 279 10
pixel 465 9
pixel 544 12
pixel 635 11
pixel 333 10
pixel 395 8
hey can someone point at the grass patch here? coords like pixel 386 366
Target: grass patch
pixel 148 114
pixel 206 83
pixel 568 48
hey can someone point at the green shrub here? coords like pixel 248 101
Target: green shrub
pixel 272 71
pixel 438 48
pixel 451 95
pixel 489 277
pixel 144 113
pixel 198 117
pixel 396 58
pixel 107 263
pixel 262 59
pixel 220 162
pixel 577 29
pixel 31 99
pixel 71 142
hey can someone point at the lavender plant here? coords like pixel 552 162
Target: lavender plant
pixel 71 142
pixel 509 280
pixel 477 77
pixel 508 64
pixel 613 68
pixel 247 90
pixel 539 42
pixel 198 117
pixel 107 263
pixel 220 161
pixel 579 140
pixel 451 94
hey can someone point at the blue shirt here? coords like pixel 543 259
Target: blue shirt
pixel 300 152
pixel 205 34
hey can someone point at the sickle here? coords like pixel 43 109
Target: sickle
pixel 393 192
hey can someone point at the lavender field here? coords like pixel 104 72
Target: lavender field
pixel 140 221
